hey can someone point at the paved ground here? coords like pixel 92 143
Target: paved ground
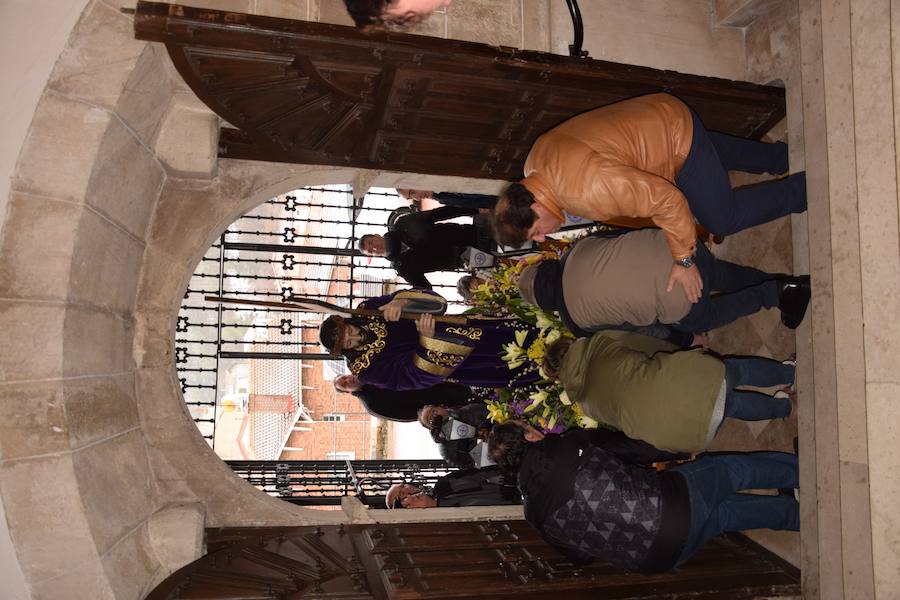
pixel 767 247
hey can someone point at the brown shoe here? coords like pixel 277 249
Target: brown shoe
pixel 792 395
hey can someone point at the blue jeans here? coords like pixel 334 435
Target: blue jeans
pixel 716 506
pixel 760 372
pixel 704 181
pixel 741 291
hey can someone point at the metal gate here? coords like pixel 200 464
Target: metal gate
pixel 300 243
pixel 325 482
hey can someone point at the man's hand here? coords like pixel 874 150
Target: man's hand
pixel 393 309
pixel 689 279
pixel 701 340
pixel 425 325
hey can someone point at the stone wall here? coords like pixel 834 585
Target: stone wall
pixel 104 480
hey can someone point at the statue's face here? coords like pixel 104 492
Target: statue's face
pixel 354 337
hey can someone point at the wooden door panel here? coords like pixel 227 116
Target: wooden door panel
pixel 453 560
pixel 312 93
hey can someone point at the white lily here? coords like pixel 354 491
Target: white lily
pixel 564 398
pixel 521 336
pixel 539 396
pixel 587 422
pixel 542 321
pixel 554 335
pixel 512 352
pixel 532 406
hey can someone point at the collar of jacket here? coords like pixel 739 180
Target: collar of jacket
pixel 547 473
pixel 548 285
pixel 543 195
pixel 393 247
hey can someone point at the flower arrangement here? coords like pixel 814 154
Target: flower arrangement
pixel 545 404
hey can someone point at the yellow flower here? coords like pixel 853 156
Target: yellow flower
pixel 497 412
pixel 537 350
pixel 564 398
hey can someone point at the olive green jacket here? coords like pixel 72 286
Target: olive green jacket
pixel 647 388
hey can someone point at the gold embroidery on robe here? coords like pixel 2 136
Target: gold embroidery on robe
pixel 429 367
pixel 445 360
pixel 441 357
pixel 376 326
pixel 444 346
pixel 473 333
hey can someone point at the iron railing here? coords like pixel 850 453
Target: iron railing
pixel 301 243
pixel 325 482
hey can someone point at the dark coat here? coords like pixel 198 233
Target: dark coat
pixel 591 504
pixel 418 243
pixel 465 200
pixel 403 405
pixel 476 487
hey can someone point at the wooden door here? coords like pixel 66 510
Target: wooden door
pixel 472 560
pixel 312 93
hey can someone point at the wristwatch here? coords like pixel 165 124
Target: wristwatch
pixel 686 262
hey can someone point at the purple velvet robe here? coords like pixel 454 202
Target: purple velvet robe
pixel 400 359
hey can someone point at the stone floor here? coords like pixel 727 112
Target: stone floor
pixel 767 247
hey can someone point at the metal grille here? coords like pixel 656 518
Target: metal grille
pixel 301 243
pixel 325 482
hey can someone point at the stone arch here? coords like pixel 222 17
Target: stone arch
pixel 93 484
pixel 116 195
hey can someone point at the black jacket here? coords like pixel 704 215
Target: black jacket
pixel 591 502
pixel 456 453
pixel 465 200
pixel 476 487
pixel 403 405
pixel 418 243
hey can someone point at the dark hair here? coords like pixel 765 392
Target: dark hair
pixel 362 240
pixel 511 224
pixel 331 332
pixel 366 12
pixel 507 444
pixel 462 287
pixel 553 358
pixel 369 15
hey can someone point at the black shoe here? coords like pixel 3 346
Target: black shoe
pixel 793 298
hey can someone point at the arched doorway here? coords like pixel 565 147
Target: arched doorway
pixel 255 379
